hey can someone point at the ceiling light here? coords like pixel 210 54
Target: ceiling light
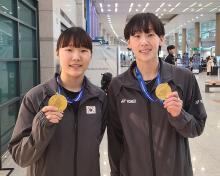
pixel 193 4
pixel 164 10
pixel 177 5
pixel 146 5
pixel 197 17
pixel 129 10
pixel 185 9
pixel 199 9
pixel 162 4
pixel 109 10
pixel 192 9
pixel 213 10
pixel 200 5
pixel 201 15
pixel 157 9
pixel 208 4
pixel 171 9
pixel 169 5
pixel 100 5
pixel 109 5
pixel 139 5
pixel 116 9
pixel 136 10
pixel 161 14
pixel 102 10
pixel 131 5
pixel 116 4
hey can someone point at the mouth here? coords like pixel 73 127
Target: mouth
pixel 145 51
pixel 75 65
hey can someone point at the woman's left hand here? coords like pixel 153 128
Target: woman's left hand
pixel 173 104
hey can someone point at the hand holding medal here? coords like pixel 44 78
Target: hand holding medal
pixel 172 102
pixel 56 105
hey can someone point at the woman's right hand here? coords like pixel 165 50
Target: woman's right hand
pixel 52 114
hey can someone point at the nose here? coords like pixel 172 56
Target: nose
pixel 144 40
pixel 76 56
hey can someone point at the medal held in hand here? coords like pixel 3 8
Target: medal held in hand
pixel 58 101
pixel 163 90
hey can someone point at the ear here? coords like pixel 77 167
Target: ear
pixel 162 40
pixel 129 44
pixel 57 52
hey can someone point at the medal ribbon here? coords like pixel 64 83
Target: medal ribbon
pixel 144 87
pixel 70 100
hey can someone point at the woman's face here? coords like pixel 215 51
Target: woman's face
pixel 145 46
pixel 74 61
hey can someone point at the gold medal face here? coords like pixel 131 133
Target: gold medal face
pixel 163 90
pixel 58 101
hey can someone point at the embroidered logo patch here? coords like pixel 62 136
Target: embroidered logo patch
pixel 90 109
pixel 128 101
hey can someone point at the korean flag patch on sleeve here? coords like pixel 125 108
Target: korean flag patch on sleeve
pixel 90 109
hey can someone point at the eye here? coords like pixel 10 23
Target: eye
pixel 137 36
pixel 68 49
pixel 151 35
pixel 84 50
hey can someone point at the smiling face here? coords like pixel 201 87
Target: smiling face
pixel 145 46
pixel 74 61
pixel 145 34
pixel 74 49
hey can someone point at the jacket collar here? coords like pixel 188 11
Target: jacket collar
pixel 129 80
pixel 90 90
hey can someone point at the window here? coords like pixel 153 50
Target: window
pixel 8 117
pixel 8 7
pixel 8 39
pixel 26 14
pixel 32 2
pixel 27 42
pixel 18 60
pixel 8 80
pixel 28 75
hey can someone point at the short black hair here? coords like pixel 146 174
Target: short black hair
pixel 170 47
pixel 76 37
pixel 142 22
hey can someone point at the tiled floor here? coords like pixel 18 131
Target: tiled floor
pixel 205 150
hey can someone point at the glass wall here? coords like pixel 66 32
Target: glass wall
pixel 18 60
pixel 208 30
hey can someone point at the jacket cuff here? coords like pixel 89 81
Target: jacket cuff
pixel 43 121
pixel 180 121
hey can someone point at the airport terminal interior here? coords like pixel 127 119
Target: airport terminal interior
pixel 29 30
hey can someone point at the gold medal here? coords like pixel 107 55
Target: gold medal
pixel 58 101
pixel 163 90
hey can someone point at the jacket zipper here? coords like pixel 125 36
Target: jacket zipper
pixel 76 143
pixel 149 118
